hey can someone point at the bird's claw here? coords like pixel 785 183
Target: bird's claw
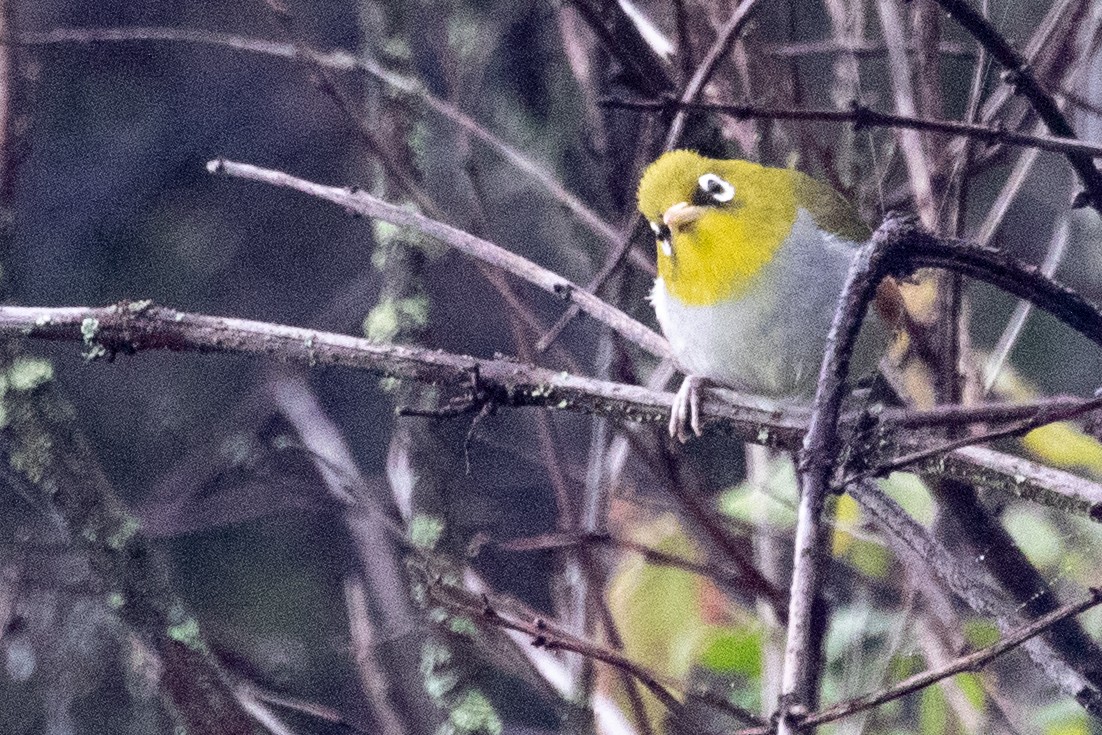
pixel 685 412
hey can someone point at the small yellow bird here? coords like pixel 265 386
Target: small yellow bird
pixel 751 261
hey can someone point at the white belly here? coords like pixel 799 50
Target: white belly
pixel 770 338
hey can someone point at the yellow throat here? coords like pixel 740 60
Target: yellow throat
pixel 719 222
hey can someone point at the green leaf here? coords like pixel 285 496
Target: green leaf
pixel 735 651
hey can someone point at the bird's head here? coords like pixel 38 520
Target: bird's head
pixel 717 223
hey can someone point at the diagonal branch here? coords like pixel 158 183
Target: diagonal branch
pixel 971 662
pixel 363 203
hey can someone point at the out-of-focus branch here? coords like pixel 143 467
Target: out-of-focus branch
pixel 864 117
pixel 643 67
pixel 486 610
pixel 43 447
pixel 337 61
pixel 362 203
pixel 970 662
pixel 1058 656
pixel 857 47
pixel 722 575
pixel 727 35
pixel 1018 74
pixel 912 146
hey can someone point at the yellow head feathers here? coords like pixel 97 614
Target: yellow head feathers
pixel 719 222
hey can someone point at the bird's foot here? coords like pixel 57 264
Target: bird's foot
pixel 685 412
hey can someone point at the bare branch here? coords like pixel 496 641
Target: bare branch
pixel 132 327
pixel 486 610
pixel 817 460
pixel 727 35
pixel 970 662
pixel 364 204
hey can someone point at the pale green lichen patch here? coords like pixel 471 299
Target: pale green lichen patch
pixel 125 531
pixel 89 330
pixel 463 625
pixel 425 531
pixel 137 307
pixel 391 316
pixel 115 600
pixel 32 455
pixel 187 632
pixel 28 373
pixel 439 681
pixel 473 713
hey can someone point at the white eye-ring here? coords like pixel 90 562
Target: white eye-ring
pixel 719 190
pixel 663 236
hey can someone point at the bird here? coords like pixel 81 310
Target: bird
pixel 751 261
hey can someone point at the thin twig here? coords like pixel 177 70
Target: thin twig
pixel 969 415
pixel 911 143
pixel 547 634
pixel 971 662
pixel 856 47
pixel 726 36
pixel 693 88
pixel 725 576
pixel 997 359
pixel 864 117
pixel 1018 429
pixel 619 34
pixel 1068 668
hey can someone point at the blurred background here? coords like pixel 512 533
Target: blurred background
pixel 285 501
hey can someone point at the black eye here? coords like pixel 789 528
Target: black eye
pixel 717 189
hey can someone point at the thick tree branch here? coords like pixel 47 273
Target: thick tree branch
pixel 132 327
pixel 818 459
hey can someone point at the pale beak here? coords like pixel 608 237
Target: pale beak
pixel 681 214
